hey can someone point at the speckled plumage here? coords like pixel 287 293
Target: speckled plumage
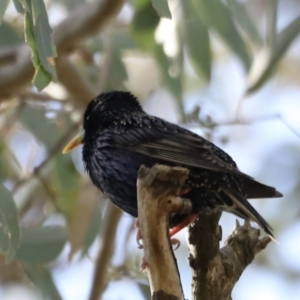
pixel 120 137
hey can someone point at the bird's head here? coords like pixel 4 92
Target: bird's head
pixel 104 110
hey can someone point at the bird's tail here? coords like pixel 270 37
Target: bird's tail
pixel 255 189
pixel 241 207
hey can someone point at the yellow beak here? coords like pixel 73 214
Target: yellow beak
pixel 76 141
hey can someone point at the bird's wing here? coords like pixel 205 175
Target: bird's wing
pixel 168 142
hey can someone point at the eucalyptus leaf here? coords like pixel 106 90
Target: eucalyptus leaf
pixel 44 129
pixel 65 185
pixel 41 245
pixel 145 289
pixel 243 19
pixel 19 6
pixel 216 16
pixel 143 26
pixel 9 225
pixel 93 229
pixel 38 36
pixel 267 60
pixel 9 36
pixel 162 8
pixel 3 7
pixel 174 82
pixel 43 280
pixel 198 46
pixel 117 73
pixel 41 78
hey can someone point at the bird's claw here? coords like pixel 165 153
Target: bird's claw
pixel 139 236
pixel 144 264
pixel 176 243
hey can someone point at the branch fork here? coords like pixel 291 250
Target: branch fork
pixel 215 271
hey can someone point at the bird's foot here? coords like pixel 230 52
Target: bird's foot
pixel 187 221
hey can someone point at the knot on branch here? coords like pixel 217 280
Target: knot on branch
pixel 216 271
pixel 245 242
pixel 163 185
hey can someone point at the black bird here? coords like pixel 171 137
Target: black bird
pixel 118 137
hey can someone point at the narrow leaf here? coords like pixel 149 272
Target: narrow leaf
pixel 43 129
pixel 19 7
pixel 41 245
pixel 43 34
pixel 144 23
pixel 9 225
pixel 9 36
pixel 173 83
pixel 3 7
pixel 198 45
pixel 267 60
pixel 216 16
pixel 162 8
pixel 66 185
pixel 93 229
pixel 145 289
pixel 43 280
pixel 241 16
pixel 41 78
pixel 38 35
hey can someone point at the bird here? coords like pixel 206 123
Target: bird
pixel 118 137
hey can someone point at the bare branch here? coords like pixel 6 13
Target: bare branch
pixel 112 218
pixel 215 272
pixel 85 21
pixel 52 152
pixel 158 189
pixel 79 89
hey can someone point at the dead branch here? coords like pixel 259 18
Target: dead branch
pixel 79 89
pixel 216 271
pixel 112 219
pixel 158 189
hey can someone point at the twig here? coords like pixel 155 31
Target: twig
pixel 52 152
pixel 158 189
pixel 216 271
pixel 79 89
pixel 112 218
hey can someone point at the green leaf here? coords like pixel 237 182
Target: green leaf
pixel 42 278
pixel 162 8
pixel 174 82
pixel 41 245
pixel 94 229
pixel 267 60
pixel 144 23
pixel 44 129
pixel 65 184
pixel 9 225
pixel 240 14
pixel 9 36
pixel 215 15
pixel 145 289
pixel 3 7
pixel 117 71
pixel 38 35
pixel 198 46
pixel 41 78
pixel 43 34
pixel 19 6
